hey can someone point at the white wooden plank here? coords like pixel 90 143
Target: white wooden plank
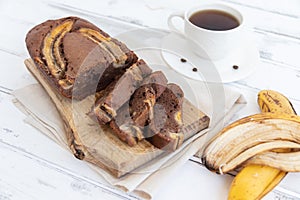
pixel 196 177
pixel 14 73
pixel 270 76
pixel 37 150
pixel 13 42
pixel 15 132
pixel 30 12
pixel 271 21
pixel 32 178
pixel 278 49
pixel 250 92
pixel 288 8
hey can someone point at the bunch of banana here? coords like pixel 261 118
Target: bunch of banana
pixel 262 143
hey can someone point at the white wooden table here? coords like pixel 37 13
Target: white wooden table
pixel 34 167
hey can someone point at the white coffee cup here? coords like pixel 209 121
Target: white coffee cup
pixel 209 44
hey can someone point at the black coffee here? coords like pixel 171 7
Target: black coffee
pixel 214 20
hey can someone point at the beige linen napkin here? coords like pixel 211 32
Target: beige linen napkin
pixel 43 115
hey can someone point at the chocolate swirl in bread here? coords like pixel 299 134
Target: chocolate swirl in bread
pixel 76 57
pixel 165 130
pixel 120 91
pixel 154 113
pixel 135 115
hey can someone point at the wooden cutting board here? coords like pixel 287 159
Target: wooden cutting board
pixel 98 144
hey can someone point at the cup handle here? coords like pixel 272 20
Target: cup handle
pixel 171 26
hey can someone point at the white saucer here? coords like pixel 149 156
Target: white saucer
pixel 246 58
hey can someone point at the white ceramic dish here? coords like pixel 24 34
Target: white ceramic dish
pixel 245 57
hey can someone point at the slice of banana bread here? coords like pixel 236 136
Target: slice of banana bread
pixel 134 115
pixel 165 130
pixel 124 127
pixel 120 91
pixel 77 57
pixel 142 101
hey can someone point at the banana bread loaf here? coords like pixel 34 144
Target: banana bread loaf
pixel 79 59
pixel 76 57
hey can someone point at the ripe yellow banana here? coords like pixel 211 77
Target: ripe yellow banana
pixel 272 101
pixel 255 181
pixel 252 181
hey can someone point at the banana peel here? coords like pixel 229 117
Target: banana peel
pixel 255 181
pixel 255 136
